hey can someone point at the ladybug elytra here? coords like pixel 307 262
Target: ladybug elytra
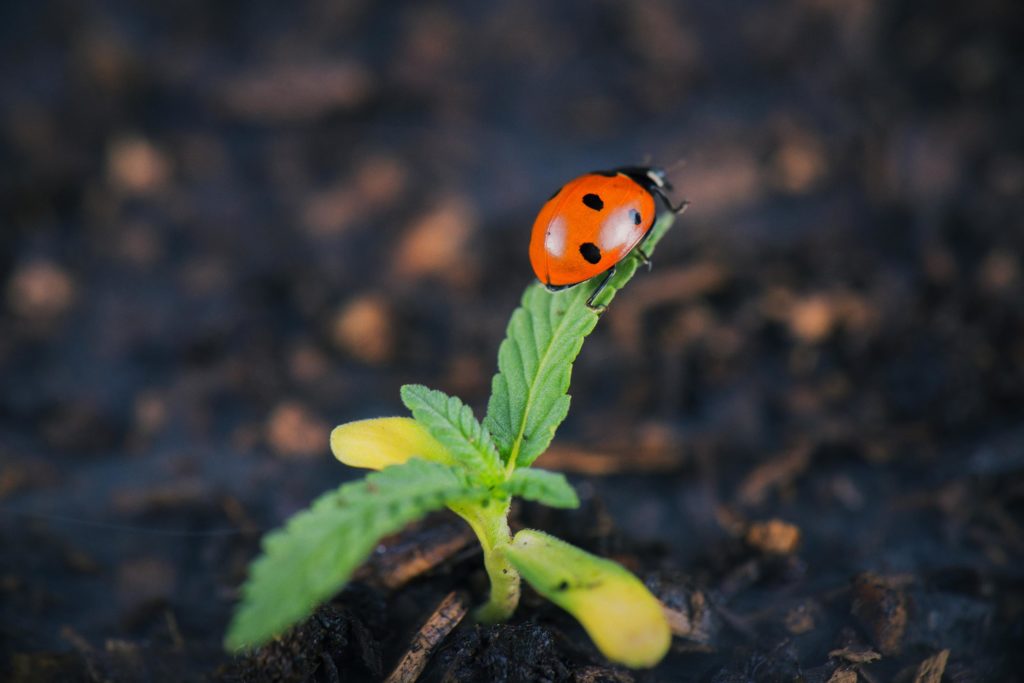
pixel 593 222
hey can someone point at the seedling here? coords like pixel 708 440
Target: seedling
pixel 443 457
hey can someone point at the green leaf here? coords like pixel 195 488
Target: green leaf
pixel 314 554
pixel 550 488
pixel 451 422
pixel 529 396
pixel 619 614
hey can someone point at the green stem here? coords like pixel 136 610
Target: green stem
pixel 491 527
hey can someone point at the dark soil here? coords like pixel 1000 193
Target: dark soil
pixel 226 228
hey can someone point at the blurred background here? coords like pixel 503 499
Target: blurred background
pixel 227 227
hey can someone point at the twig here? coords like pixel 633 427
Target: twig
pixel 445 618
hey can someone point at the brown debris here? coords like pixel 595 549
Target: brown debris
pixel 378 183
pixel 855 655
pixel 446 617
pixel 145 581
pixel 150 413
pixel 800 161
pixel 298 92
pixel 415 553
pixel 694 622
pixel 363 328
pixel 79 426
pixel 800 619
pixel 999 271
pixel 566 458
pixel 136 166
pixel 774 537
pixel 294 432
pixel 931 669
pixel 85 651
pixel 171 495
pixel 19 476
pixel 307 363
pixel 436 244
pixel 775 473
pixel 843 675
pixel 881 606
pixel 40 290
pixel 601 674
pixel 729 179
pixel 45 667
pixel 678 622
pixel 812 319
pixel 660 288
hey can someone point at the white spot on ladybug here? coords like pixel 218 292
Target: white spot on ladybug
pixel 619 231
pixel 554 238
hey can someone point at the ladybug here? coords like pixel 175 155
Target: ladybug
pixel 593 222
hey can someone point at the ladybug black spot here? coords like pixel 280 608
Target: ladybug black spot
pixel 636 216
pixel 593 201
pixel 590 252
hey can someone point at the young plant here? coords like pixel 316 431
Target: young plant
pixel 443 457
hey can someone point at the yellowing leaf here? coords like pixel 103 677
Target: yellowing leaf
pixel 385 441
pixel 618 612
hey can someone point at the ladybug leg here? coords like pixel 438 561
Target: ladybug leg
pixel 644 258
pixel 600 288
pixel 668 202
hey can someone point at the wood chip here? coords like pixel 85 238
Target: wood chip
pixel 931 669
pixel 445 618
pixel 881 606
pixel 843 676
pixel 855 655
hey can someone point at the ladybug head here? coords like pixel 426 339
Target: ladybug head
pixel 657 176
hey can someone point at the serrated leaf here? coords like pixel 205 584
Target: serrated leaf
pixel 314 554
pixel 617 611
pixel 542 486
pixel 529 396
pixel 452 423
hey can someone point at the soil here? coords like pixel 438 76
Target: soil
pixel 228 228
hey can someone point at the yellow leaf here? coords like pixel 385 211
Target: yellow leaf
pixel 384 441
pixel 618 612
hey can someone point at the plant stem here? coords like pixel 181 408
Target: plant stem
pixel 491 527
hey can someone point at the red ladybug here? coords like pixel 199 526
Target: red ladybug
pixel 593 222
